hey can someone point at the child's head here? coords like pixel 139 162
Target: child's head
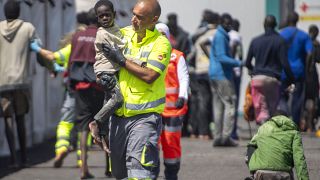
pixel 105 13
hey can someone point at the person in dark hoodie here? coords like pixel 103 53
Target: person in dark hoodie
pixel 16 39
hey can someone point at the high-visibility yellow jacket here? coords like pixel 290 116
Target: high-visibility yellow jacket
pixel 140 97
pixel 62 55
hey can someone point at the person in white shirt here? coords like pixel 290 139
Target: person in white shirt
pixel 177 83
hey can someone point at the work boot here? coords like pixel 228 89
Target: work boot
pixel 108 174
pixel 58 160
pixel 171 171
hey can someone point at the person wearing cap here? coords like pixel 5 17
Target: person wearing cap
pixel 177 83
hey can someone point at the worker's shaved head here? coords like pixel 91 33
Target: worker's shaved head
pixel 154 5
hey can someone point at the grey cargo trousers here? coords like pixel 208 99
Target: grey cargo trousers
pixel 134 146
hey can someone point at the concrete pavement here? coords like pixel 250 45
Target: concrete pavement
pixel 200 161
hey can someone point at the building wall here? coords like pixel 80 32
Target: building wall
pixel 51 23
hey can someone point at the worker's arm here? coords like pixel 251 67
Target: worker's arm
pixel 62 55
pixel 146 74
pixel 149 72
pixel 183 77
pixel 34 46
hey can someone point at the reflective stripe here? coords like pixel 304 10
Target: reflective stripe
pixel 173 121
pixel 127 51
pixel 109 161
pixel 172 90
pixel 172 128
pixel 78 153
pixel 79 163
pixel 157 64
pixel 143 156
pixel 147 105
pixel 138 61
pixel 61 149
pixel 145 54
pixel 62 146
pixel 62 58
pixel 139 174
pixel 170 104
pixel 66 138
pixel 172 160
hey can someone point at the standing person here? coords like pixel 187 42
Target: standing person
pixel 17 37
pixel 177 84
pixel 276 149
pixel 312 83
pixel 221 77
pixel 200 111
pixel 299 53
pixel 89 96
pixel 203 26
pixel 136 126
pixel 68 118
pixel 236 52
pixel 178 37
pixel 270 53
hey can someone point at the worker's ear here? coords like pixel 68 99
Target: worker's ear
pixel 155 19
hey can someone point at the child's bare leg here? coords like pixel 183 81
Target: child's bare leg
pixel 84 156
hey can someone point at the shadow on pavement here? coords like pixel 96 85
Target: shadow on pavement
pixel 37 154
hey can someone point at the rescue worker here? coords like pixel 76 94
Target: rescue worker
pixel 67 120
pixel 67 112
pixel 177 83
pixel 136 126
